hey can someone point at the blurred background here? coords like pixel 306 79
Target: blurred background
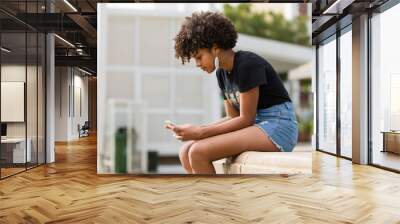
pixel 141 84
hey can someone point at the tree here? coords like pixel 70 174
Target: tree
pixel 270 25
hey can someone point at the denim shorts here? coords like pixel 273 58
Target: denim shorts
pixel 279 124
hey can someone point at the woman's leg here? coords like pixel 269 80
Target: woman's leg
pixel 184 156
pixel 203 152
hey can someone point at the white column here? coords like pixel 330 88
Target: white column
pixel 360 90
pixel 50 99
pixel 314 92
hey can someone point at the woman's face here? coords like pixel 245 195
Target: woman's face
pixel 205 60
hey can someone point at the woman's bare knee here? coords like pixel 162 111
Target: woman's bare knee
pixel 199 158
pixel 184 150
pixel 184 156
pixel 197 152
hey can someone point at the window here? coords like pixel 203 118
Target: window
pixel 327 96
pixel 22 65
pixel 385 87
pixel 346 94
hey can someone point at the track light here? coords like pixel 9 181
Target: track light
pixel 70 5
pixel 64 40
pixel 337 7
pixel 5 50
pixel 84 71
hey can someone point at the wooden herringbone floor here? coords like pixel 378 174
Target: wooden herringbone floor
pixel 70 191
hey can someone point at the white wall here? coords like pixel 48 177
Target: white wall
pixel 61 103
pixel 70 83
pixel 33 126
pixel 79 117
pixel 12 73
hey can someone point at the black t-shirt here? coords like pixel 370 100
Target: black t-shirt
pixel 249 71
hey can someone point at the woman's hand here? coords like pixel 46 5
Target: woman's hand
pixel 186 132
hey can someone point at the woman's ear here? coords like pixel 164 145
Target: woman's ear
pixel 215 50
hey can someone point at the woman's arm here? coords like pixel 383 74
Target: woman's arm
pixel 246 117
pixel 230 111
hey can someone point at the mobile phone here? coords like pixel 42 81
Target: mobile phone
pixel 169 122
pixel 177 136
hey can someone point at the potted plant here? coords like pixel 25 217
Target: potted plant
pixel 305 130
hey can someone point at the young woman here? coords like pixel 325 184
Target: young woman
pixel 260 115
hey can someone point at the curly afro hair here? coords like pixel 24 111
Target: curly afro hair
pixel 202 30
